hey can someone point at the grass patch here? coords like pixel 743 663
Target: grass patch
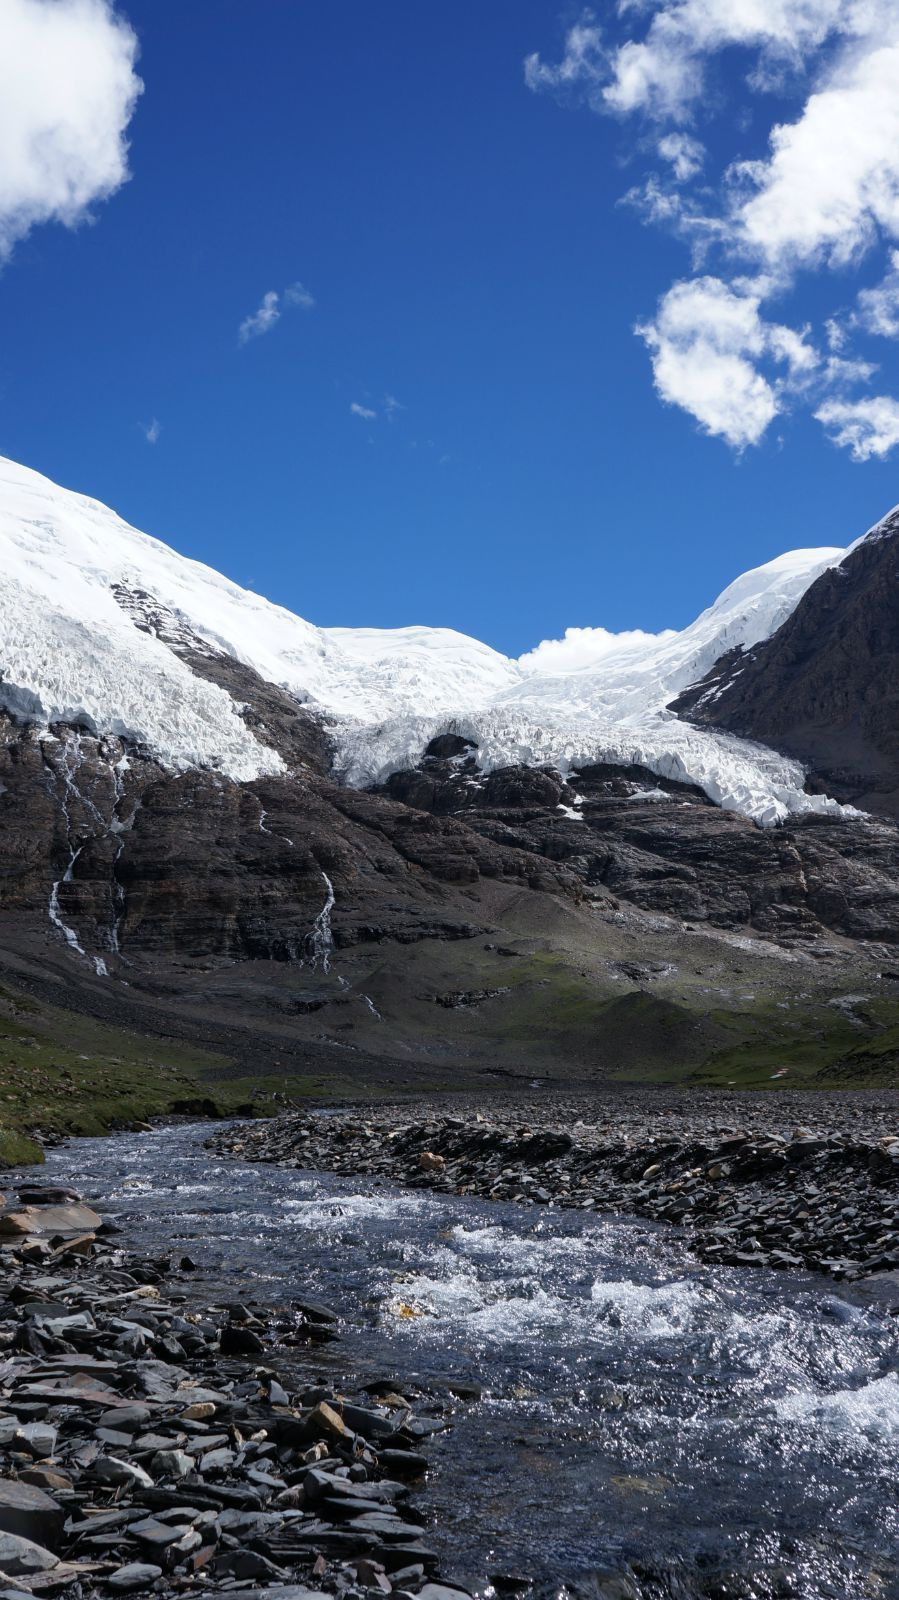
pixel 61 1073
pixel 816 1047
pixel 18 1151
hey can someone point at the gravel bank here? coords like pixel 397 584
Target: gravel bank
pixel 153 1444
pixel 793 1181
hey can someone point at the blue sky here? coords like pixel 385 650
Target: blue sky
pixel 477 278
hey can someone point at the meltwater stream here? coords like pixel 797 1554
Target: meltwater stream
pixel 721 1432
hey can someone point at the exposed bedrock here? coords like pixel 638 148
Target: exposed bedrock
pixel 664 846
pixel 125 858
pixel 825 686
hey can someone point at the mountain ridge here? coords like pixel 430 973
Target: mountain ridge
pixel 71 651
pixel 824 687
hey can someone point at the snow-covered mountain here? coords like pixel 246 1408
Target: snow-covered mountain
pixel 90 609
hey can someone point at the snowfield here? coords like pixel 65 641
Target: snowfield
pixel 70 651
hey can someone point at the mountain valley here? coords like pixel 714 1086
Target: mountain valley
pixel 448 916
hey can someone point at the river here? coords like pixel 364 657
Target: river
pixel 651 1426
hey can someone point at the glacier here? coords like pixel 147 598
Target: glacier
pixel 70 652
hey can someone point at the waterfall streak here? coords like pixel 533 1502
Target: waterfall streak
pixel 319 941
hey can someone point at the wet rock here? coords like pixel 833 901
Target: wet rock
pixel 734 1190
pixel 50 1219
pixel 240 1341
pixel 442 1591
pixel 279 1591
pixel 46 1195
pixel 314 1312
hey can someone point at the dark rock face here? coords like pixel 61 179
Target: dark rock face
pixel 665 847
pixel 825 687
pixel 126 862
pixel 123 857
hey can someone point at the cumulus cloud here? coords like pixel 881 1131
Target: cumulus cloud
pixel 151 430
pixel 867 428
pixel 365 412
pixel 269 310
pixel 823 195
pixel 831 181
pixel 68 89
pixel 664 73
pixel 585 647
pixel 707 342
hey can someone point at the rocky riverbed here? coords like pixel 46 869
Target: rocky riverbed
pixel 148 1446
pixel 615 1419
pixel 778 1180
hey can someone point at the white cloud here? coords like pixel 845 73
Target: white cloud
pixel 878 308
pixel 708 342
pixel 583 62
pixel 831 181
pixel 685 154
pixel 823 195
pixel 663 73
pixel 868 428
pixel 68 89
pixel 263 319
pixel 836 334
pixel 364 412
pixel 585 647
pixel 838 373
pixel 151 430
pixel 392 406
pixel 297 295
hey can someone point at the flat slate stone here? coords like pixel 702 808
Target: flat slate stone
pixel 137 1575
pixel 280 1591
pixel 29 1512
pixel 442 1591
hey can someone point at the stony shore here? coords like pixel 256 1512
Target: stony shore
pixel 154 1444
pixel 801 1182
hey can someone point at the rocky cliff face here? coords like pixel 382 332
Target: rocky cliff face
pixel 125 861
pixel 663 846
pixel 825 686
pixel 450 911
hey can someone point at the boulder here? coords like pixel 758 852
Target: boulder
pixel 428 1161
pixel 50 1220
